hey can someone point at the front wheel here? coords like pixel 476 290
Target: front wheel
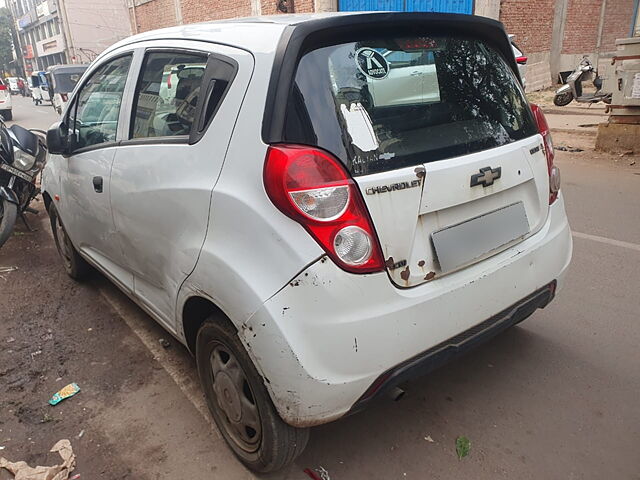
pixel 240 403
pixel 75 266
pixel 562 99
pixel 8 215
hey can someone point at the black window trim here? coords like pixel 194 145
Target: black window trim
pixel 196 133
pixel 80 87
pixel 298 39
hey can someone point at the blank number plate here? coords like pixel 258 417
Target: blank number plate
pixel 460 244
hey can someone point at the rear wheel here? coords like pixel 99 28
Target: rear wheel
pixel 8 214
pixel 75 266
pixel 563 99
pixel 240 403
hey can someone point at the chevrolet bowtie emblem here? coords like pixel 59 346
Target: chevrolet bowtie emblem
pixel 486 176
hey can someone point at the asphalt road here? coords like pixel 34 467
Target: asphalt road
pixel 554 398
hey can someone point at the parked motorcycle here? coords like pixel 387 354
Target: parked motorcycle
pixel 23 154
pixel 572 90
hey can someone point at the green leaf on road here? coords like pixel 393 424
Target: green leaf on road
pixel 463 445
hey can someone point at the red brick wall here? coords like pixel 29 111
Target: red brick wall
pixel 617 23
pixel 155 14
pixel 204 10
pixel 581 26
pixel 270 7
pixel 530 21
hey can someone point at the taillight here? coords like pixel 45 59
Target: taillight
pixel 554 172
pixel 313 188
pixel 521 60
pixel 3 87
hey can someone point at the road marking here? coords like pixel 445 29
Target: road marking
pixel 192 392
pixel 608 241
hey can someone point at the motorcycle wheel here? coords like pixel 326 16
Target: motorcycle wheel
pixel 563 99
pixel 8 214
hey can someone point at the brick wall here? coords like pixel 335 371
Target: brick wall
pixel 204 10
pixel 617 23
pixel 270 7
pixel 531 21
pixel 155 14
pixel 581 26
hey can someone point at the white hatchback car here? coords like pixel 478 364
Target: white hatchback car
pixel 312 242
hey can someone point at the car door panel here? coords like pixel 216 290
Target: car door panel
pixel 161 193
pixel 93 119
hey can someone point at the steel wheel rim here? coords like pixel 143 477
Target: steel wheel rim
pixel 62 242
pixel 234 399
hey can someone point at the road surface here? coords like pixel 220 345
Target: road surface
pixel 554 398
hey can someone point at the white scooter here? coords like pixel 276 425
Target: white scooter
pixel 572 90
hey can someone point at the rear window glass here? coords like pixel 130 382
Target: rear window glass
pixel 380 105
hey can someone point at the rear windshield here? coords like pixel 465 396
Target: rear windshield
pixel 384 104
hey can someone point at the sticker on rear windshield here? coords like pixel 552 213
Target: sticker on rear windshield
pixel 372 63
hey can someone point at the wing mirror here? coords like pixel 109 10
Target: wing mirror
pixel 58 139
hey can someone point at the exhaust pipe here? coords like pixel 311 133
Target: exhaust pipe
pixel 396 394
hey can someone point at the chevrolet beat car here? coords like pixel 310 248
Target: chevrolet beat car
pixel 319 207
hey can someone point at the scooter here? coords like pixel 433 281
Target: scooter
pixel 23 154
pixel 572 90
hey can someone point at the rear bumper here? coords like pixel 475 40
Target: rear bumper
pixel 452 348
pixel 329 342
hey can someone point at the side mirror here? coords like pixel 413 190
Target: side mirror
pixel 58 139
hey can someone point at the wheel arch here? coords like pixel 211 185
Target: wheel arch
pixel 195 311
pixel 47 200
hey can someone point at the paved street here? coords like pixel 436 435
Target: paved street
pixel 554 398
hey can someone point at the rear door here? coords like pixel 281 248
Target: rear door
pixel 450 180
pixel 187 97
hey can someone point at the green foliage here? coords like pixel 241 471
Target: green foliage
pixel 463 445
pixel 6 26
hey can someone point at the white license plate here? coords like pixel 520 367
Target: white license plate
pixel 16 172
pixel 464 242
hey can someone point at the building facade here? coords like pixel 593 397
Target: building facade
pixel 554 34
pixel 54 32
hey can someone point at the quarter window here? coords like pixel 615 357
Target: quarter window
pixel 94 118
pixel 167 94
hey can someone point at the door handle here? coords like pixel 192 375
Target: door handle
pixel 97 184
pixel 416 73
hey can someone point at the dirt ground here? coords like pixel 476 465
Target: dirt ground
pixel 553 398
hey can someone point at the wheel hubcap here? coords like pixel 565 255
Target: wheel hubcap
pixel 235 402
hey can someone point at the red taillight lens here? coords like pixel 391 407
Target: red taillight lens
pixel 3 87
pixel 554 172
pixel 313 188
pixel 521 60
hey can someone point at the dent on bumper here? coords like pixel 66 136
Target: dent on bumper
pixel 324 339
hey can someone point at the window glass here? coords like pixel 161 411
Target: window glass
pixel 98 104
pixel 167 94
pixel 388 103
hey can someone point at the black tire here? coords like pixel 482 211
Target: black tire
pixel 8 215
pixel 75 266
pixel 7 115
pixel 272 444
pixel 563 99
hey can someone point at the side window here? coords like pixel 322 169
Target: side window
pixel 167 94
pixel 401 59
pixel 94 117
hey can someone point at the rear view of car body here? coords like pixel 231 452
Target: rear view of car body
pixel 379 258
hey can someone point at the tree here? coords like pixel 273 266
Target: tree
pixel 6 39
